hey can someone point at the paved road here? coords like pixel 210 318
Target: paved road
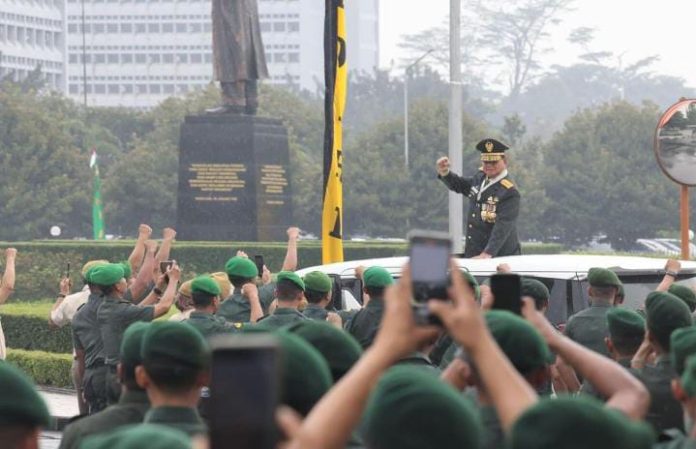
pixel 61 403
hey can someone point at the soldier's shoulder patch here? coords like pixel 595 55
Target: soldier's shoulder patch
pixel 507 183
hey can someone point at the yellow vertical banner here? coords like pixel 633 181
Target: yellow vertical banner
pixel 336 84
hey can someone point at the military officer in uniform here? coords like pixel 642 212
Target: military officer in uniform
pixel 494 203
pixel 289 293
pixel 365 324
pixel 205 292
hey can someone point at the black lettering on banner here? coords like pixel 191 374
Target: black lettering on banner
pixel 336 232
pixel 341 51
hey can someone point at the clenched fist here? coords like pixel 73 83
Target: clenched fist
pixel 443 166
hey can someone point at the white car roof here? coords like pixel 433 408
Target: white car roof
pixel 556 266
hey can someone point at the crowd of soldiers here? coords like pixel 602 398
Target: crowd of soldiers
pixel 373 378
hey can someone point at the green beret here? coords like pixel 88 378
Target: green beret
pixel 339 348
pixel 318 282
pixel 621 292
pixel 177 342
pixel 377 277
pixel 601 277
pixel 127 271
pixel 684 293
pixel 535 289
pixel 305 374
pixel 20 404
pixel 241 267
pixel 577 423
pixel 205 284
pixel 108 274
pixel 682 346
pixel 91 264
pixel 688 379
pixel 665 313
pixel 413 409
pixel 132 343
pixel 625 324
pixel 519 340
pixel 471 280
pixel 139 436
pixel 292 277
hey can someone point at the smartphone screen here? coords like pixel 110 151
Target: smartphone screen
pixel 67 270
pixel 258 259
pixel 507 290
pixel 164 265
pixel 429 262
pixel 244 394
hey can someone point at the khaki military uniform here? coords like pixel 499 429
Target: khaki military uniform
pixel 184 419
pixel 315 312
pixel 365 323
pixel 114 316
pixel 130 409
pixel 209 324
pixel 88 338
pixel 280 318
pixel 236 308
pixel 665 411
pixel 589 327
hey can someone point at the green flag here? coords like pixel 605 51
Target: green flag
pixel 97 212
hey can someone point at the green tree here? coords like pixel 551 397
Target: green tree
pixel 601 176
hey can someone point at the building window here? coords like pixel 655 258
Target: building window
pixel 294 27
pixel 195 27
pixel 126 58
pixel 127 88
pixel 196 58
pixel 182 58
pixel 113 89
pixel 126 28
pixel 140 58
pixel 112 58
pixel 153 28
pixel 72 58
pixel 207 27
pixel 208 58
pixel 293 57
pixel 181 28
pixel 140 28
pixel 73 89
pixel 99 89
pixel 168 88
pixel 155 88
pixel 280 57
pixel 98 28
pixel 279 26
pixel 72 28
pixel 168 27
pixel 154 59
pixel 112 28
pixel 168 58
pixel 99 58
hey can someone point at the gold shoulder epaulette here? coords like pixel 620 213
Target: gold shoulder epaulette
pixel 507 183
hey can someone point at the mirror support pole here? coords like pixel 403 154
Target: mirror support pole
pixel 684 213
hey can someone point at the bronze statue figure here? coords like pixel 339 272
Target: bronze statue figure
pixel 238 54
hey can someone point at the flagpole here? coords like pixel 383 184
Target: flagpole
pixel 456 206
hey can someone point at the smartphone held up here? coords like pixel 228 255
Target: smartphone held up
pixel 429 256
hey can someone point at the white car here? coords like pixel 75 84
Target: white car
pixel 564 275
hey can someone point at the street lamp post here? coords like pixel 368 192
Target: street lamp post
pixel 456 206
pixel 407 72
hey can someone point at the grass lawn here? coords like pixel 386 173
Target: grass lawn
pixel 42 308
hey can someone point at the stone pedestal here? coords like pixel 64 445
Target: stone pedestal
pixel 233 179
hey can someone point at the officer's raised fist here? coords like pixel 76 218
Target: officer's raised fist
pixel 443 166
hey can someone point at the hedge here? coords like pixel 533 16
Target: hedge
pixel 32 332
pixel 41 264
pixel 45 368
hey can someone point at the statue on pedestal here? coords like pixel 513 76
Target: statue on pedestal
pixel 238 54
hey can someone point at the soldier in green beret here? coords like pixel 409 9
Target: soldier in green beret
pixel 305 373
pixel 205 293
pixel 88 344
pixel 318 294
pixel 411 408
pixel 494 202
pixel 176 361
pixel 132 405
pixel 527 351
pixel 115 314
pixel 575 423
pixel 22 411
pixel 248 302
pixel 143 436
pixel 339 348
pixel 589 327
pixel 684 293
pixel 366 322
pixel 626 334
pixel 684 390
pixel 536 290
pixel 665 314
pixel 289 294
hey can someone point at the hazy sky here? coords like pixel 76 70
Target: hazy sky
pixel 635 28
